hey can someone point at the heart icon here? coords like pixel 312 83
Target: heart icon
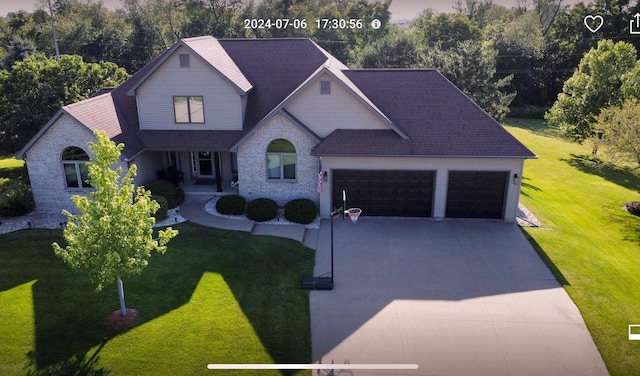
pixel 593 23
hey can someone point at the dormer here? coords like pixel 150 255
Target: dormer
pixel 195 85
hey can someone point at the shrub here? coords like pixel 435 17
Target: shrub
pixel 633 207
pixel 174 195
pixel 163 211
pixel 231 205
pixel 15 198
pixel 301 210
pixel 262 209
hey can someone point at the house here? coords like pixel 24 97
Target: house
pixel 282 115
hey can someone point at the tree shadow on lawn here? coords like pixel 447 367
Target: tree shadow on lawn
pixel 527 187
pixel 262 272
pixel 623 176
pixel 630 225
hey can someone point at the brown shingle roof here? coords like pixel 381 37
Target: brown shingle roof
pixel 438 118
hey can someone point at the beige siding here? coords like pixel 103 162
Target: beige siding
pixel 148 165
pixel 324 113
pixel 442 166
pixel 222 103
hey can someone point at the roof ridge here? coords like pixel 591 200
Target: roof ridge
pixel 87 100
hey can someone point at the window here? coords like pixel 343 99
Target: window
pixel 74 162
pixel 281 160
pixel 184 61
pixel 188 109
pixel 325 87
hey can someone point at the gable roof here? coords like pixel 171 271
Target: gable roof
pixel 439 119
pixel 211 52
pixel 427 114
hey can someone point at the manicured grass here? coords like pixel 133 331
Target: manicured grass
pixel 214 297
pixel 12 168
pixel 593 245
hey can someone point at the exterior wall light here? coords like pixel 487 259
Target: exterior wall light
pixel 516 179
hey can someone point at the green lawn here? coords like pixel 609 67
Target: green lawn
pixel 214 297
pixel 593 245
pixel 12 168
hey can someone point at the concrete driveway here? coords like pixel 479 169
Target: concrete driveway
pixel 453 297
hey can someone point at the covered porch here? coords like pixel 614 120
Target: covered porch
pixel 206 172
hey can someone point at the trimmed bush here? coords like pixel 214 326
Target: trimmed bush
pixel 301 210
pixel 231 205
pixel 262 209
pixel 15 198
pixel 166 189
pixel 163 211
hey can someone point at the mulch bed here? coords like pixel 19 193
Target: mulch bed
pixel 117 321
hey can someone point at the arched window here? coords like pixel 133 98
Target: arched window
pixel 281 160
pixel 74 162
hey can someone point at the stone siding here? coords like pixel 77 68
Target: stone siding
pixel 44 163
pixel 252 163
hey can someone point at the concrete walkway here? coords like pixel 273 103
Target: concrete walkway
pixel 453 297
pixel 193 210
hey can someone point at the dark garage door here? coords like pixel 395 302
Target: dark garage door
pixel 476 194
pixel 396 193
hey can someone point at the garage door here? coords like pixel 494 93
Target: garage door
pixel 476 194
pixel 396 193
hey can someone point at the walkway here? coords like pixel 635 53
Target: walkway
pixel 193 210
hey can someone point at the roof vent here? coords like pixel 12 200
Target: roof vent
pixel 184 61
pixel 325 87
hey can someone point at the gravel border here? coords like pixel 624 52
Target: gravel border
pixel 210 207
pixel 53 220
pixel 525 218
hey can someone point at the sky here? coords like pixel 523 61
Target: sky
pixel 400 9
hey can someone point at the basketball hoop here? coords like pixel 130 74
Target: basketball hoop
pixel 354 213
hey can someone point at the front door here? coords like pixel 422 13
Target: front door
pixel 205 163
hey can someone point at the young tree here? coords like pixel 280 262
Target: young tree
pixel 596 84
pixel 618 127
pixel 111 237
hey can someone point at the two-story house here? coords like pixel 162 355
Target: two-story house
pixel 287 118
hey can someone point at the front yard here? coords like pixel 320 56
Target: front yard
pixel 214 297
pixel 593 246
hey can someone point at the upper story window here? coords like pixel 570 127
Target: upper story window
pixel 325 87
pixel 185 61
pixel 74 162
pixel 281 160
pixel 188 109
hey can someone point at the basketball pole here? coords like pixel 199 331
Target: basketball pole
pixel 323 283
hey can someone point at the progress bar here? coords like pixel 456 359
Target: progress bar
pixel 312 366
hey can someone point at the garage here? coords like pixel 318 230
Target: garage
pixel 476 194
pixel 391 193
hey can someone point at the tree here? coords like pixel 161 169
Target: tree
pixel 445 29
pixel 619 131
pixel 595 85
pixel 18 50
pixel 38 86
pixel 112 237
pixel 396 50
pixel 472 68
